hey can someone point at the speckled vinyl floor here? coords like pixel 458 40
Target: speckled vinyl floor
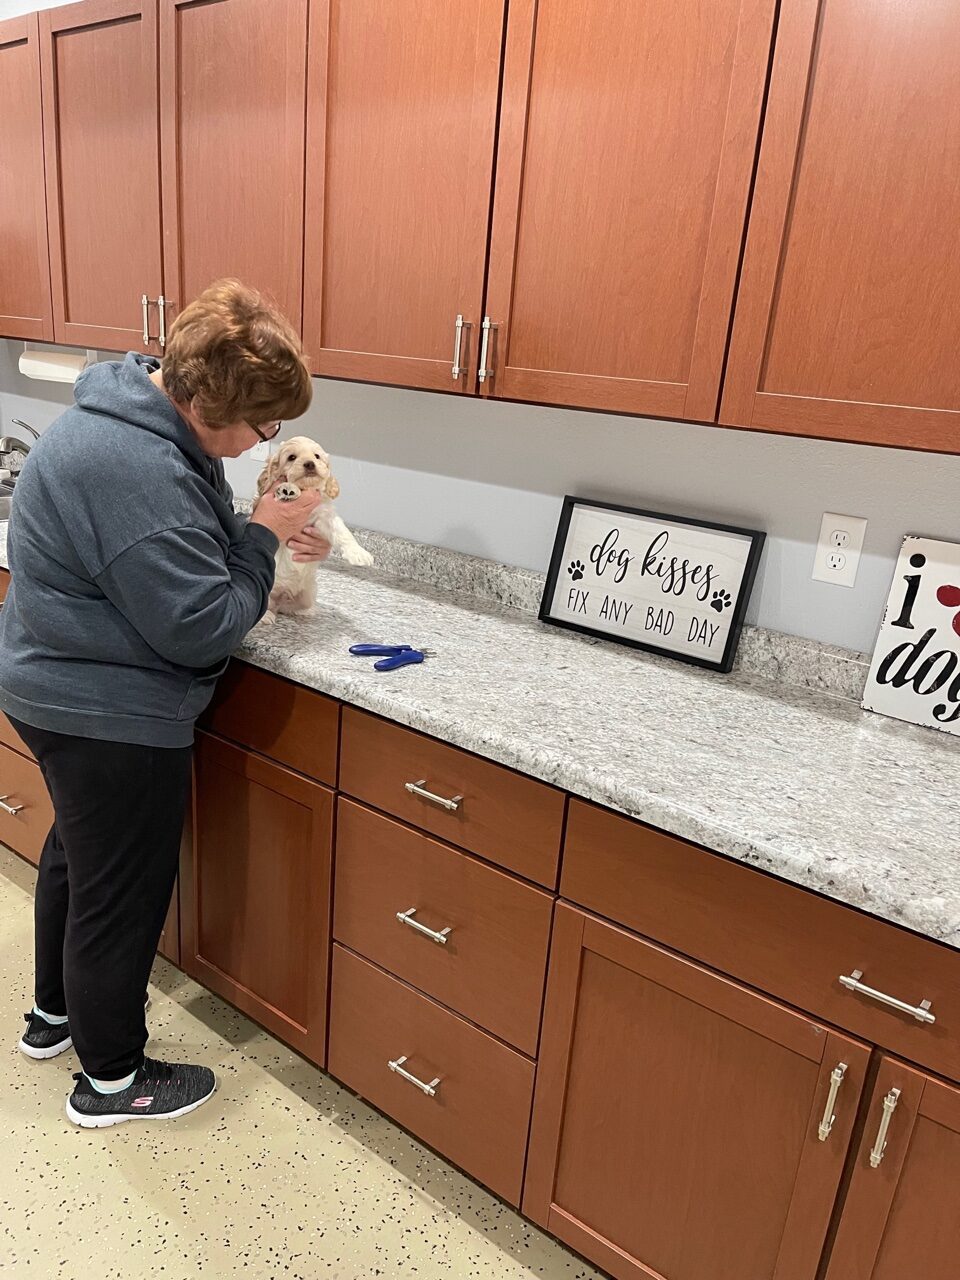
pixel 281 1174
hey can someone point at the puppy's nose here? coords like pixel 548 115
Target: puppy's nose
pixel 309 466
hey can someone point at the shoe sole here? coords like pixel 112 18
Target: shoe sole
pixel 41 1054
pixel 105 1122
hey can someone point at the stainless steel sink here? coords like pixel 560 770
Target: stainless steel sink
pixel 6 497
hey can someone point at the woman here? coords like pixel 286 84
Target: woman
pixel 133 581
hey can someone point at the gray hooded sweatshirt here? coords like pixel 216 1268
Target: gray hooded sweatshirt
pixel 133 579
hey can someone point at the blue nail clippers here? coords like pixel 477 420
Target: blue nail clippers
pixel 391 655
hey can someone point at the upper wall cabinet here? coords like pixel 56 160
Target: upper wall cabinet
pixel 848 316
pixel 102 151
pixel 400 138
pixel 233 88
pixel 627 142
pixel 25 308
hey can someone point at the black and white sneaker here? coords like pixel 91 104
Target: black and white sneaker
pixel 160 1091
pixel 43 1039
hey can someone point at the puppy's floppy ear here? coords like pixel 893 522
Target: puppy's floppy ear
pixel 268 475
pixel 331 486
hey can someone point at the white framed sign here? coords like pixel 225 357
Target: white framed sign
pixel 656 582
pixel 915 672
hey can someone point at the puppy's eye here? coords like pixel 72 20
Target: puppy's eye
pixel 291 457
pixel 317 456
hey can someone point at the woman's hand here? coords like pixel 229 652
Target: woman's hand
pixel 309 545
pixel 286 519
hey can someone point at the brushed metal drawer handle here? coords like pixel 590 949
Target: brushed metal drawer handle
pixel 418 789
pixel 406 917
pixel 880 1145
pixel 429 1089
pixel 919 1011
pixel 12 809
pixel 836 1080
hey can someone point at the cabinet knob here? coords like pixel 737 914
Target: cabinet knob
pixel 486 368
pixel 919 1011
pixel 418 789
pixel 406 917
pixel 396 1065
pixel 880 1143
pixel 836 1080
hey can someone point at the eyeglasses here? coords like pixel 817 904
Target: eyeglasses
pixel 269 431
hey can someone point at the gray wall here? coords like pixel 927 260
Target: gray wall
pixel 487 478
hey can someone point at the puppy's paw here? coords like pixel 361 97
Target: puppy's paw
pixel 268 619
pixel 357 555
pixel 286 492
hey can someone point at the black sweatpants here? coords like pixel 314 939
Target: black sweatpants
pixel 106 874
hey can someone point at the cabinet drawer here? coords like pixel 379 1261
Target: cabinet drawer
pixel 9 737
pixel 4 584
pixel 490 968
pixel 277 718
pixel 480 1113
pixel 501 815
pixel 784 940
pixel 21 784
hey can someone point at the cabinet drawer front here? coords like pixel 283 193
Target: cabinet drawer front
pixel 783 939
pixel 501 815
pixel 277 718
pixel 9 737
pixel 4 583
pixel 21 784
pixel 480 1113
pixel 492 963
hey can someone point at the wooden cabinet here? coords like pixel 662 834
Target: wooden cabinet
pixel 25 303
pixel 494 930
pixel 23 789
pixel 900 1216
pixel 501 815
pixel 626 146
pixel 101 147
pixel 233 79
pixel 401 117
pixel 475 1107
pixel 848 314
pixel 724 914
pixel 278 718
pixel 255 893
pixel 677 1119
pixel 169 945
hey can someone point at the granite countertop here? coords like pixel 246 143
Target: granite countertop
pixel 800 783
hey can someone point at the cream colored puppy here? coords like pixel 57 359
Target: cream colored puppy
pixel 301 464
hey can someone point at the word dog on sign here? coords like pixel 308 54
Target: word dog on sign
pixel 656 582
pixel 915 672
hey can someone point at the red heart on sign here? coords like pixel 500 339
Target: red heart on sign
pixel 950 596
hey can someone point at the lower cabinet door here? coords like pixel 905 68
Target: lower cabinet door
pixel 684 1126
pixel 901 1216
pixel 169 945
pixel 255 892
pixel 444 1079
pixel 26 814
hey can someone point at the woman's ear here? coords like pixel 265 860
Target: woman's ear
pixel 268 475
pixel 331 487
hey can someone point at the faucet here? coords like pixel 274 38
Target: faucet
pixel 10 444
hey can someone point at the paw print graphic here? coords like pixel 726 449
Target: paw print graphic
pixel 721 600
pixel 575 570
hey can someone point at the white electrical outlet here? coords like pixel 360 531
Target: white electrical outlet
pixel 838 550
pixel 260 452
